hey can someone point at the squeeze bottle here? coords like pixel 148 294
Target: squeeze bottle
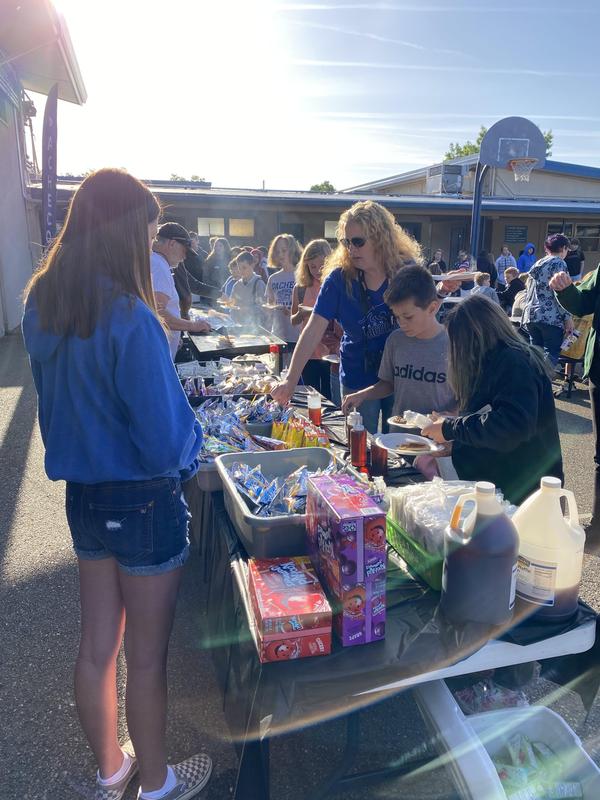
pixel 358 444
pixel 351 420
pixel 480 561
pixel 550 551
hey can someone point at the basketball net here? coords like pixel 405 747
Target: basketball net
pixel 522 167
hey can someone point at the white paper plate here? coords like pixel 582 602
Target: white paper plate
pixel 395 442
pixel 332 358
pixel 462 276
pixel 404 425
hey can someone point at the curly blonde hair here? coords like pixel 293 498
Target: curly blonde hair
pixel 394 246
pixel 292 245
pixel 314 249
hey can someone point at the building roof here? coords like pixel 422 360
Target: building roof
pixel 560 167
pixel 410 204
pixel 35 40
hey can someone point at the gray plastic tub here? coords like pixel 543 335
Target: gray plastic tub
pixel 270 537
pixel 259 428
pixel 208 477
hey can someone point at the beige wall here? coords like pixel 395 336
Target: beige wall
pixel 546 184
pixel 15 237
pixel 536 233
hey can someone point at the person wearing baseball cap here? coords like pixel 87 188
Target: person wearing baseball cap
pixel 170 247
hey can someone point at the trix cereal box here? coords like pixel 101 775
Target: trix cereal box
pixel 347 545
pixel 292 615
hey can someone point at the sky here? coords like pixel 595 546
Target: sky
pixel 242 92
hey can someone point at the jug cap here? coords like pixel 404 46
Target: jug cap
pixel 551 482
pixel 485 487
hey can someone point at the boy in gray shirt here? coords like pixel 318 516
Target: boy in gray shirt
pixel 248 293
pixel 414 366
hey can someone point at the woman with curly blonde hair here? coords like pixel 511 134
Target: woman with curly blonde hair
pixel 371 248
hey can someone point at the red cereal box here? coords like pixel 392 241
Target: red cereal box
pixel 292 614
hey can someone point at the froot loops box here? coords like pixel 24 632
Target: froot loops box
pixel 291 612
pixel 347 544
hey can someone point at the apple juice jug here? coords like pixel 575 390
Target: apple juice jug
pixel 550 551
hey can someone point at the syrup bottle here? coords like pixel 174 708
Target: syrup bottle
pixel 358 444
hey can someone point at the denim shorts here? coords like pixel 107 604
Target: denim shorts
pixel 143 525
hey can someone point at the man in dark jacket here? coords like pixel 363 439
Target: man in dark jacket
pixel 514 286
pixel 583 300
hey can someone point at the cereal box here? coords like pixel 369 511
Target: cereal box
pixel 292 614
pixel 347 545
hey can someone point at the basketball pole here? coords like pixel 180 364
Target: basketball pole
pixel 480 174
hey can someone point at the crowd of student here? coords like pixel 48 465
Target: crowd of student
pixel 118 429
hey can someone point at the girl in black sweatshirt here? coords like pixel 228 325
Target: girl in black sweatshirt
pixel 507 432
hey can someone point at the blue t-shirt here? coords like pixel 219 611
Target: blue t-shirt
pixel 227 287
pixel 363 335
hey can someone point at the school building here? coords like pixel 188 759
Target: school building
pixel 433 204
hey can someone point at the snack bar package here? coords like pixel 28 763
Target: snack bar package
pixel 291 611
pixel 347 544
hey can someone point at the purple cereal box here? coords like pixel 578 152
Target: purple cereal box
pixel 359 615
pixel 347 545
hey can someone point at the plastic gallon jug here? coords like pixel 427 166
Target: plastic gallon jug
pixel 550 551
pixel 480 561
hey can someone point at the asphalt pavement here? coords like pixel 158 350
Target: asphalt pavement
pixel 42 750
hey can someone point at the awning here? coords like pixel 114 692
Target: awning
pixel 35 42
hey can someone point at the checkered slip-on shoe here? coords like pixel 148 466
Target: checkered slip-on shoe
pixel 117 790
pixel 192 776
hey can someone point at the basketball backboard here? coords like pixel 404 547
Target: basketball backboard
pixel 512 138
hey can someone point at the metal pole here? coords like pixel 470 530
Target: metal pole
pixel 476 213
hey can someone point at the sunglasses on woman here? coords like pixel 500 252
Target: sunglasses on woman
pixel 356 241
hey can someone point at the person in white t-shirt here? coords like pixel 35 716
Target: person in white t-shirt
pixel 284 254
pixel 170 247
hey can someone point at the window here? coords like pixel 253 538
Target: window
pixel 412 228
pixel 242 227
pixel 589 237
pixel 588 234
pixel 330 229
pixel 560 227
pixel 211 226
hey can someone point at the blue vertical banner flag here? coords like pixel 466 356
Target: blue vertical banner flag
pixel 49 168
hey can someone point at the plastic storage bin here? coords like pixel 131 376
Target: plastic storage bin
pixel 468 743
pixel 540 724
pixel 269 537
pixel 426 566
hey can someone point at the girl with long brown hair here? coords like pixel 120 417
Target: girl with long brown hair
pixel 118 429
pixel 371 248
pixel 215 268
pixel 316 373
pixel 506 431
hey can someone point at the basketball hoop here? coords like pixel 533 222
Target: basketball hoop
pixel 522 167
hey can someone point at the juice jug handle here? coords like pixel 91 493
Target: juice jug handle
pixel 464 498
pixel 572 506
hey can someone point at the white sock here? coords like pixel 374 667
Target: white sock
pixel 119 774
pixel 165 788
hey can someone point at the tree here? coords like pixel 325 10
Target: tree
pixel 181 179
pixel 326 187
pixel 457 150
